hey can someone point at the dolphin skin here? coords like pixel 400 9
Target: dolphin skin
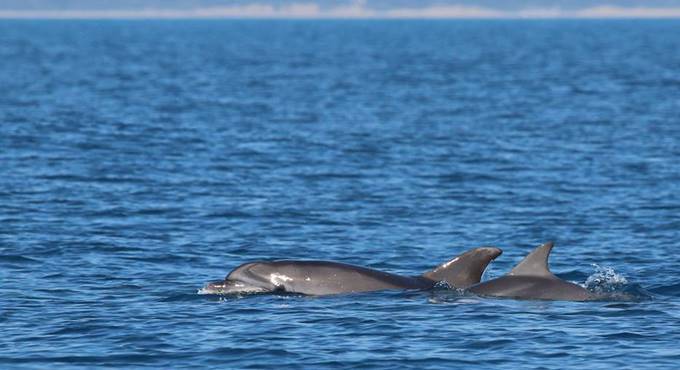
pixel 532 279
pixel 325 278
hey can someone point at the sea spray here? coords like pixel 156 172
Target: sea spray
pixel 605 280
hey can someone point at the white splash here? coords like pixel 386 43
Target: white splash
pixel 443 285
pixel 605 280
pixel 204 291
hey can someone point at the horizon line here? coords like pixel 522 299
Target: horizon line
pixel 312 11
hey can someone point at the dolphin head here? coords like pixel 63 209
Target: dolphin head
pixel 247 278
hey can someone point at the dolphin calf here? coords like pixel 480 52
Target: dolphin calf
pixel 532 279
pixel 323 277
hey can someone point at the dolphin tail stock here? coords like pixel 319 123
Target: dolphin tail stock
pixel 466 269
pixel 535 263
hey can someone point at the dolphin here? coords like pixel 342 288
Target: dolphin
pixel 325 278
pixel 532 279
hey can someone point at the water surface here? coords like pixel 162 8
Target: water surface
pixel 140 159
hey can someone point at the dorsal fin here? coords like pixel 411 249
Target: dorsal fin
pixel 536 263
pixel 466 269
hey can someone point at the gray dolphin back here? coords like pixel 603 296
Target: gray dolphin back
pixel 532 279
pixel 324 277
pixel 321 277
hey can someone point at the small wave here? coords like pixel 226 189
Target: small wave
pixel 180 297
pixel 669 290
pixel 9 258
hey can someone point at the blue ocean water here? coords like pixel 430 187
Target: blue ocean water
pixel 140 159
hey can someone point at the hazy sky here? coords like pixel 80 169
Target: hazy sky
pixel 340 8
pixel 377 4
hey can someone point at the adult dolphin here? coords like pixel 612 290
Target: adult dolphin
pixel 532 279
pixel 323 277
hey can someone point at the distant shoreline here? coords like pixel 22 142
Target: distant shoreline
pixel 310 11
pixel 302 19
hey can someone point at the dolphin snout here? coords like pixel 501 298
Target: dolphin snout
pixel 229 286
pixel 217 286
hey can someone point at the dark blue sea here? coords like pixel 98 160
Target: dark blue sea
pixel 141 159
